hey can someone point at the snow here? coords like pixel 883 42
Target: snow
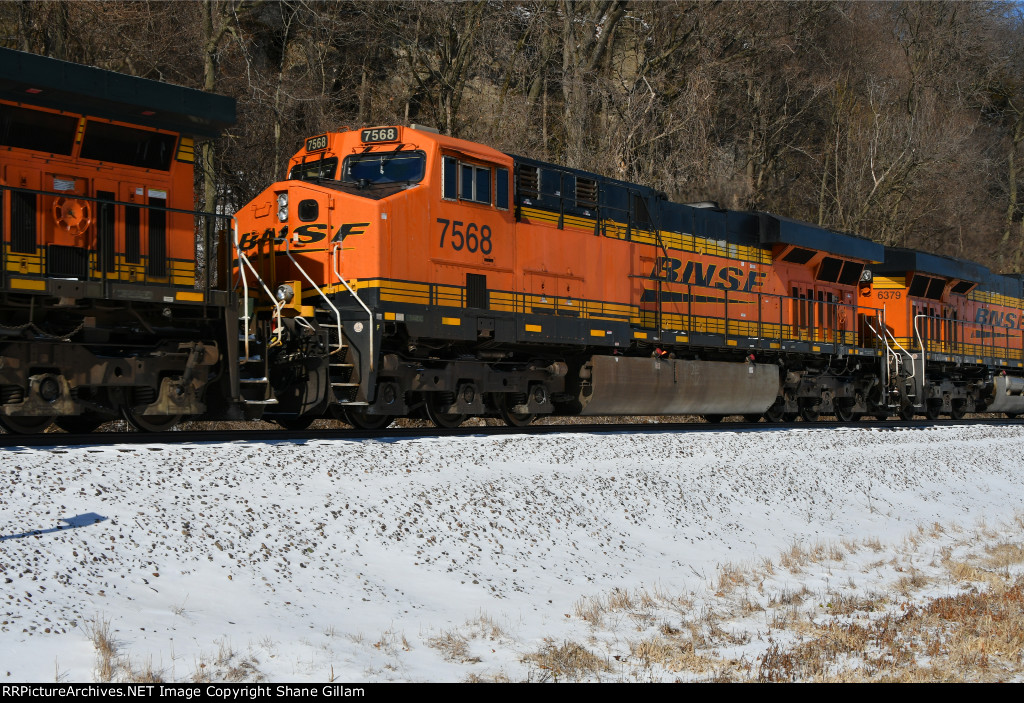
pixel 438 559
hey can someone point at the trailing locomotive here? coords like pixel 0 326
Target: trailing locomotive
pixel 399 271
pixel 107 306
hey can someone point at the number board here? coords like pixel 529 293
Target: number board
pixel 379 134
pixel 316 143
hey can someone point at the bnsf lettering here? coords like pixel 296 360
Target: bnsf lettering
pixel 252 239
pixel 349 229
pixel 709 276
pixel 1010 320
pixel 306 234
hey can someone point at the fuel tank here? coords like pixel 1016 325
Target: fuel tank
pixel 617 385
pixel 1007 395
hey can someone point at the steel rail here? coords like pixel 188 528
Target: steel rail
pixel 262 435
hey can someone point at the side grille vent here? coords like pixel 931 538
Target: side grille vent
pixel 67 262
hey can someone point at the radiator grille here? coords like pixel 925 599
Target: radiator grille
pixel 67 262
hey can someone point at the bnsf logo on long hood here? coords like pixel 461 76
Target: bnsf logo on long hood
pixel 707 275
pixel 301 236
pixel 1010 320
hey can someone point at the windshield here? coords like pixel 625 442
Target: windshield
pixel 390 167
pixel 321 169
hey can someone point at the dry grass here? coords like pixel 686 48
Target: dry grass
pixel 763 623
pixel 111 665
pixel 670 655
pixel 569 661
pixel 114 666
pixel 453 647
pixel 98 632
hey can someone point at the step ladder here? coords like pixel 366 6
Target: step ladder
pixel 340 366
pixel 253 382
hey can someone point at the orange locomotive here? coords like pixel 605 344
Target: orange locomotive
pixel 399 271
pixel 953 335
pixel 103 309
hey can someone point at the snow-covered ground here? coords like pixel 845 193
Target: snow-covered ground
pixel 447 559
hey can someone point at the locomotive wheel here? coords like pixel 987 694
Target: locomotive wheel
pixel 25 425
pixel 882 416
pixel 845 413
pixel 933 410
pixel 959 410
pixel 752 418
pixel 809 413
pixel 714 419
pixel 434 414
pixel 790 417
pixel 361 420
pixel 1011 416
pixel 149 423
pixel 510 418
pixel 906 411
pixel 80 424
pixel 299 422
pixel 775 413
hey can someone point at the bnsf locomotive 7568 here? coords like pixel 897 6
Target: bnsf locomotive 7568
pixel 400 272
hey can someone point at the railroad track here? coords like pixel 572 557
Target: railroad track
pixel 59 439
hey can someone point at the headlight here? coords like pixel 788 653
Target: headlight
pixel 282 206
pixel 285 293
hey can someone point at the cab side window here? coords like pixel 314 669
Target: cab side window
pixel 475 183
pixel 461 180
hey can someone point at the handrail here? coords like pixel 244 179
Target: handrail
pixel 96 266
pixel 337 315
pixel 908 354
pixel 924 349
pixel 242 258
pixel 885 365
pixel 336 248
pixel 895 342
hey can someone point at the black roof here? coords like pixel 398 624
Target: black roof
pixel 38 80
pixel 776 229
pixel 899 260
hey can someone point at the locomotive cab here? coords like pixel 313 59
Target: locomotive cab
pixel 330 230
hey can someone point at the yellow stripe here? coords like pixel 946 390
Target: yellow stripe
pixel 597 333
pixel 191 297
pixel 887 282
pixel 23 284
pixel 454 321
pixel 533 328
pixel 671 240
pixel 639 335
pixel 401 298
pixel 26 267
pixel 186 150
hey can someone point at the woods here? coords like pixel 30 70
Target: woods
pixel 899 121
